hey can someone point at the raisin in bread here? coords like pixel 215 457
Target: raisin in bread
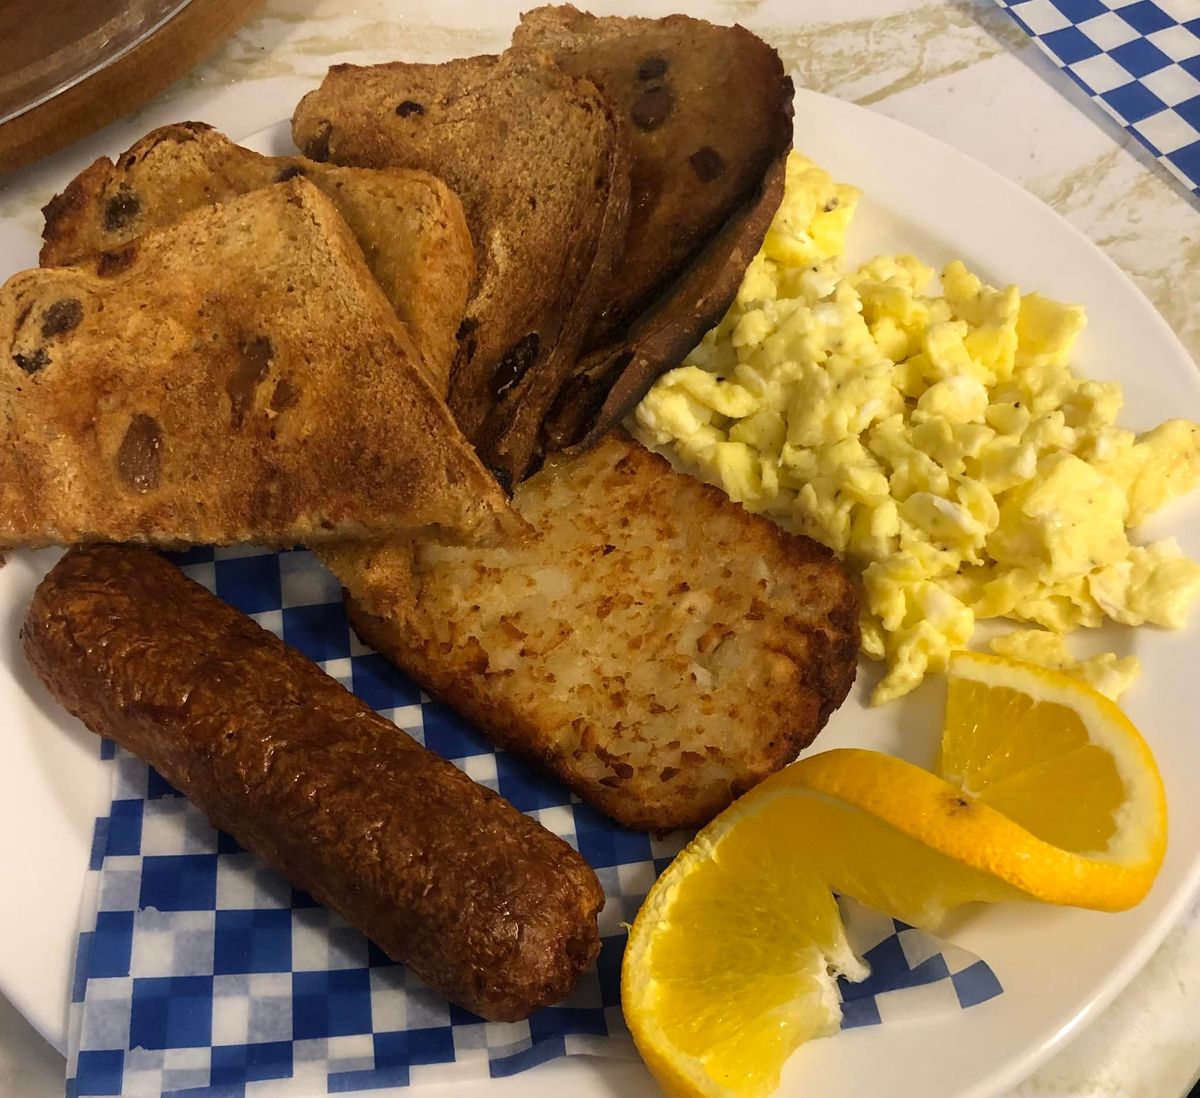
pixel 409 224
pixel 238 376
pixel 654 645
pixel 540 161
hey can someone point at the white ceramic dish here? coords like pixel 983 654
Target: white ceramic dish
pixel 1059 967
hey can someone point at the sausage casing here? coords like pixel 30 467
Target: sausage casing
pixel 444 875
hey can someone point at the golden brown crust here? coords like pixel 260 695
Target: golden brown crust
pixel 540 161
pixel 655 646
pixel 409 224
pixel 237 376
pixel 479 900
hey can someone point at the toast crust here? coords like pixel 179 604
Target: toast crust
pixel 236 377
pixel 607 383
pixel 654 646
pixel 408 223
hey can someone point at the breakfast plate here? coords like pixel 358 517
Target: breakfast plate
pixel 1058 967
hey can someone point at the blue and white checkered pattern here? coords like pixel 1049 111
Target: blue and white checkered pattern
pixel 202 972
pixel 1139 59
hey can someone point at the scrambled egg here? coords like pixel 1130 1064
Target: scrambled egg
pixel 1112 675
pixel 939 443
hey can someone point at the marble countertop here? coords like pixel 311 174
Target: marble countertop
pixel 958 69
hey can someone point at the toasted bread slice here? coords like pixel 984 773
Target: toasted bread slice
pixel 540 161
pixel 409 224
pixel 653 645
pixel 238 376
pixel 710 111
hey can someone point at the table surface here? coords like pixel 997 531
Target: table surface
pixel 958 69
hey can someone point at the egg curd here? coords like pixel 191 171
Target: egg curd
pixel 939 443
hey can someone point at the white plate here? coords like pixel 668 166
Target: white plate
pixel 1059 967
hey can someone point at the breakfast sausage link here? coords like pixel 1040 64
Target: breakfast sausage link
pixel 446 876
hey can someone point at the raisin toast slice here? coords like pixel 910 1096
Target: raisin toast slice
pixel 654 645
pixel 710 112
pixel 540 161
pixel 238 376
pixel 409 224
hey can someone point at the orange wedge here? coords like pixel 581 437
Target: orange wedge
pixel 1047 792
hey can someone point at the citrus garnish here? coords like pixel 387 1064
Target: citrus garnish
pixel 1048 792
pixel 1058 758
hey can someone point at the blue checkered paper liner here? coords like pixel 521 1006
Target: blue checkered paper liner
pixel 202 972
pixel 1138 59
